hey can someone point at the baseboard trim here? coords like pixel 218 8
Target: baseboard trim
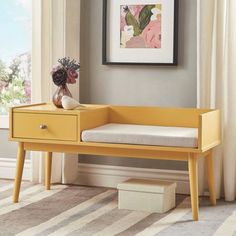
pixel 8 168
pixel 110 176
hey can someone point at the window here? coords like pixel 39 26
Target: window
pixel 15 53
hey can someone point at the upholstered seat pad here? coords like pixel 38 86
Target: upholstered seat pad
pixel 142 134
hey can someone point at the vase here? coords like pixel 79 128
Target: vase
pixel 59 93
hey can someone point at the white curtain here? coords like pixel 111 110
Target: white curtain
pixel 217 82
pixel 55 35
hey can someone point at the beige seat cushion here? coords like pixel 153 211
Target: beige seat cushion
pixel 142 134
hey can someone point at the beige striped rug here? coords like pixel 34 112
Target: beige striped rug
pixel 84 211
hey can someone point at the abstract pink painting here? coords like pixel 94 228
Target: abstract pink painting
pixel 140 26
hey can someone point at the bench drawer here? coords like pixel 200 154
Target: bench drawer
pixel 45 126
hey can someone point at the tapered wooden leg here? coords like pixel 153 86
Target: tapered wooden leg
pixel 193 178
pixel 19 170
pixel 48 170
pixel 210 178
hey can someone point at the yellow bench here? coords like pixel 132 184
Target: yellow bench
pixel 42 127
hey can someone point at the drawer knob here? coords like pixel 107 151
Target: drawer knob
pixel 42 126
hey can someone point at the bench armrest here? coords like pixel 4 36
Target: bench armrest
pixel 93 118
pixel 209 132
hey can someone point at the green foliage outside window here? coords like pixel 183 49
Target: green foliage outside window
pixel 14 90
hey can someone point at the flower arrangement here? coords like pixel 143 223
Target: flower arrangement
pixel 17 92
pixel 15 85
pixel 65 72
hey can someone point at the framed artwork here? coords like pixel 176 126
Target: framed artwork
pixel 143 32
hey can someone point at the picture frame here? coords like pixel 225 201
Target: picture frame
pixel 140 32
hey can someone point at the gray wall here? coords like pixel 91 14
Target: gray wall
pixel 137 85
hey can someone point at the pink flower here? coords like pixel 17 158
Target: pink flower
pixel 152 34
pixel 72 76
pixel 136 42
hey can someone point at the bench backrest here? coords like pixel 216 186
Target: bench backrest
pixel 179 117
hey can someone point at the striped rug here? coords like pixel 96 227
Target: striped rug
pixel 84 211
